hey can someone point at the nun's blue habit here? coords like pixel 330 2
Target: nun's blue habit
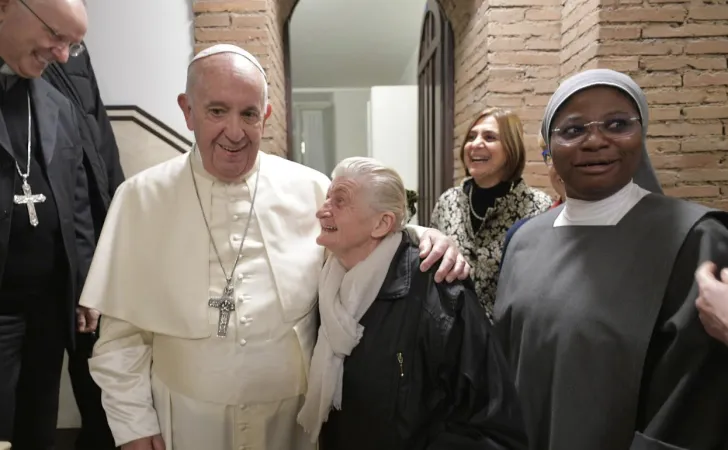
pixel 599 322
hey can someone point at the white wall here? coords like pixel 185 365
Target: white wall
pixel 350 119
pixel 140 50
pixel 394 130
pixel 409 75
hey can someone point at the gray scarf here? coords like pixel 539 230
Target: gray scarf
pixel 645 176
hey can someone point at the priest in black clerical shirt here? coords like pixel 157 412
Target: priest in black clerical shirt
pixel 46 229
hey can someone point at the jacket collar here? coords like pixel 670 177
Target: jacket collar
pixel 399 277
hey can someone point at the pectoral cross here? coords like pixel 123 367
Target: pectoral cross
pixel 226 304
pixel 29 200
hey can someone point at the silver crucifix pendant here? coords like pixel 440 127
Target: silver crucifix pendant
pixel 29 200
pixel 226 304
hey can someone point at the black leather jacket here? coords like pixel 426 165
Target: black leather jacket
pixel 427 374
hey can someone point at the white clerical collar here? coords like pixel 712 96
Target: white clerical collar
pixel 199 168
pixel 608 211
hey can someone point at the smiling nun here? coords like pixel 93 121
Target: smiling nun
pixel 596 299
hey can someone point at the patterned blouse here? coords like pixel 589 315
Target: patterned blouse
pixel 482 248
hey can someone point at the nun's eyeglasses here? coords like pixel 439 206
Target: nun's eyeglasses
pixel 615 128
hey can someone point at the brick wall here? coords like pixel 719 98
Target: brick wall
pixel 506 55
pixel 676 50
pixel 511 53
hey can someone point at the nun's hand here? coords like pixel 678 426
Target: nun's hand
pixel 712 302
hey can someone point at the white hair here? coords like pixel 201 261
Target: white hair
pixel 225 48
pixel 383 184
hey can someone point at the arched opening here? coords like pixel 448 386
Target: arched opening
pixel 436 90
pixel 405 112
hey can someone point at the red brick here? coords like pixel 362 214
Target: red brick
pixel 506 15
pixel 693 191
pixel 661 14
pixel 537 100
pixel 239 35
pixel 719 47
pixel 543 72
pixel 620 64
pixel 250 21
pixel 685 96
pixel 543 14
pixel 507 73
pixel 639 48
pixel 541 87
pixel 576 46
pixel 542 44
pixel 679 62
pixel 504 101
pixel 706 112
pixel 716 12
pixel 229 6
pixel 705 144
pixel 509 87
pixel 619 32
pixel 663 145
pixel 648 80
pixel 212 20
pixel 667 178
pixel 705 79
pixel 693 161
pixel 683 129
pixel 506 44
pixel 661 114
pixel 689 30
pixel 524 57
pixel 693 175
pixel 524 29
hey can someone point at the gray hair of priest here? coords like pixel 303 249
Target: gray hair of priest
pixel 192 74
pixel 380 183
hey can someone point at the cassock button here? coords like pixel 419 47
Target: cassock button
pixel 245 320
pixel 242 344
pixel 235 217
pixel 241 276
pixel 236 237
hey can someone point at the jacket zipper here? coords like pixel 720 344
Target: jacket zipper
pixel 400 359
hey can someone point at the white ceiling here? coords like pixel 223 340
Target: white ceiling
pixel 353 43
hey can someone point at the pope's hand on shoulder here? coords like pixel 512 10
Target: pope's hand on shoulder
pixel 712 302
pixel 87 319
pixel 147 443
pixel 435 246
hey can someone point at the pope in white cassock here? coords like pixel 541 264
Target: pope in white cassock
pixel 206 278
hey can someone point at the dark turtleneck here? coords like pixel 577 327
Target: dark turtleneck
pixel 484 198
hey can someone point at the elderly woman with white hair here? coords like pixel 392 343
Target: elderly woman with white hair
pixel 401 362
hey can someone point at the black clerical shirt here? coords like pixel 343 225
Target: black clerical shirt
pixel 35 263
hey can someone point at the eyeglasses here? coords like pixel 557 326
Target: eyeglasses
pixel 74 49
pixel 614 128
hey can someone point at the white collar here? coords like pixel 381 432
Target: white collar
pixel 608 211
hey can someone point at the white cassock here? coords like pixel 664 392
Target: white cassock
pixel 158 361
